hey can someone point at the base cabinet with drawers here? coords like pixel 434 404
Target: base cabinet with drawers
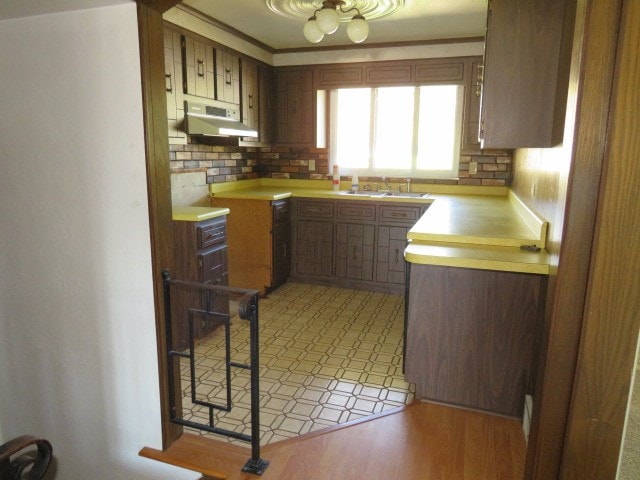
pixel 200 256
pixel 352 244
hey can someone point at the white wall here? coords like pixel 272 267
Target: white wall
pixel 77 335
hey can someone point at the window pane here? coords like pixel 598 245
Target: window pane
pixel 353 128
pixel 438 130
pixel 394 128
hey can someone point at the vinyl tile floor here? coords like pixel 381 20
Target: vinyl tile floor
pixel 327 356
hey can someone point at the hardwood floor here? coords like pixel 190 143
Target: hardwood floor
pixel 423 441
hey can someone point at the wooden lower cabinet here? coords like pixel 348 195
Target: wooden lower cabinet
pixel 314 248
pixel 472 336
pixel 201 256
pixel 352 244
pixel 259 233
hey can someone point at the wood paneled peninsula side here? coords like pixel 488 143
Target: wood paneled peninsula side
pixel 475 302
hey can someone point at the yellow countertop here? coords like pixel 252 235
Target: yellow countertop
pixel 466 228
pixel 477 219
pixel 481 257
pixel 197 214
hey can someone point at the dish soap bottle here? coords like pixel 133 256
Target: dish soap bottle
pixel 354 182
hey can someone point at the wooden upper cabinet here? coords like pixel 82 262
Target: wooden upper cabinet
pixel 250 95
pixel 471 123
pixel 338 75
pixel 198 67
pixel 227 73
pixel 266 104
pixel 388 73
pixel 173 84
pixel 526 72
pixel 295 107
pixel 435 71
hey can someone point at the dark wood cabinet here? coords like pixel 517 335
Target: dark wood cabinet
pixel 198 68
pixel 526 72
pixel 352 244
pixel 266 104
pixel 201 256
pixel 281 238
pixel 250 97
pixel 471 336
pixel 471 123
pixel 295 106
pixel 227 77
pixel 174 84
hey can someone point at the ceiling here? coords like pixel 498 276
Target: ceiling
pixel 417 20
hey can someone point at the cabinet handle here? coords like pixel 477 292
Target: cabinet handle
pixel 227 76
pixel 251 101
pixel 168 85
pixel 481 131
pixel 355 252
pixel 354 212
pixel 313 210
pixel 200 67
pixel 313 249
pixel 293 106
pixel 397 253
pixel 479 80
pixel 399 214
pixel 284 250
pixel 200 262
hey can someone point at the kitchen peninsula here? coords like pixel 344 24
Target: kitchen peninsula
pixel 476 269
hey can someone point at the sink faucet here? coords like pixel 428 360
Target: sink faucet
pixel 387 186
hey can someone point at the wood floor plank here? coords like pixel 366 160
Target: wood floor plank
pixel 424 441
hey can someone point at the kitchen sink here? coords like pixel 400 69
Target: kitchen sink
pixel 364 193
pixel 406 194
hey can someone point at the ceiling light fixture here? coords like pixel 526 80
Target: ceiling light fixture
pixel 326 21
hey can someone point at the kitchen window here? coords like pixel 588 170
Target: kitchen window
pixel 397 131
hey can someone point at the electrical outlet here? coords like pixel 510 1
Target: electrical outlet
pixel 473 168
pixel 312 165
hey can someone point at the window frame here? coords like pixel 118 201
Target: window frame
pixel 452 173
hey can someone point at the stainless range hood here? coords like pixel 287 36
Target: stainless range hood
pixel 217 119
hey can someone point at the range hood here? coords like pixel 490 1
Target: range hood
pixel 217 119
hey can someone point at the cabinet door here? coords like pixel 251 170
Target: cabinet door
pixel 266 104
pixel 390 264
pixel 314 247
pixel 354 251
pixel 281 253
pixel 173 83
pixel 295 106
pixel 471 122
pixel 198 68
pixel 526 73
pixel 227 77
pixel 212 270
pixel 250 105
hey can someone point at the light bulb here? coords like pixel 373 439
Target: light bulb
pixel 328 19
pixel 358 29
pixel 311 31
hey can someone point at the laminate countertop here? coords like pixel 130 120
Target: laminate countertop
pixel 197 214
pixel 458 229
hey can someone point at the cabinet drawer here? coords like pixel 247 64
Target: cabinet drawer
pixel 389 213
pixel 211 233
pixel 356 211
pixel 280 211
pixel 315 209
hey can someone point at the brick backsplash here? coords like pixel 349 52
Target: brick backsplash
pixel 232 163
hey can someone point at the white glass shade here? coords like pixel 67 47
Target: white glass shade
pixel 328 19
pixel 311 31
pixel 358 29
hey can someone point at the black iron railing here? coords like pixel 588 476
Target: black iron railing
pixel 205 305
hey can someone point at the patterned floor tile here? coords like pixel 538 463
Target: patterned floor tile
pixel 327 356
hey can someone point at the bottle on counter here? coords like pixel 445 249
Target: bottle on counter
pixel 354 182
pixel 335 181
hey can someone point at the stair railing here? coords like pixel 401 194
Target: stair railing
pixel 217 312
